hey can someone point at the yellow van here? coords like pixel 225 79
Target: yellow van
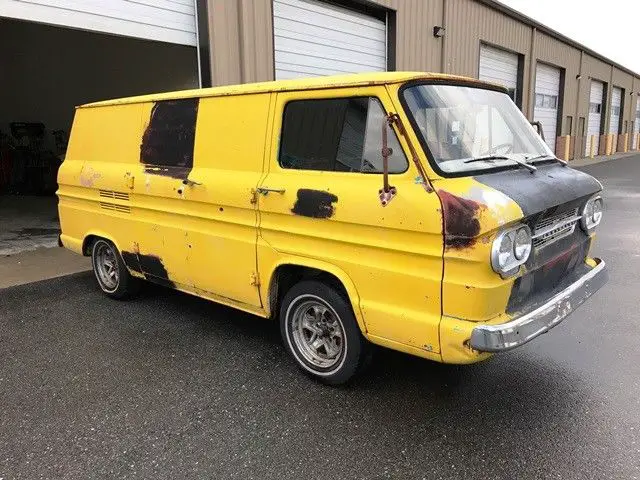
pixel 419 212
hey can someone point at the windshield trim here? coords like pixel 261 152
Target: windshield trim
pixel 456 82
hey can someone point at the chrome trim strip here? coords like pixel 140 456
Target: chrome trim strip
pixel 505 336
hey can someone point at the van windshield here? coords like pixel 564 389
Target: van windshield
pixel 468 128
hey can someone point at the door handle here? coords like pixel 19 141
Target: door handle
pixel 190 183
pixel 266 190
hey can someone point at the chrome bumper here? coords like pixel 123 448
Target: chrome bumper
pixel 505 336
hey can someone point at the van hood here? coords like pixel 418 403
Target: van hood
pixel 473 206
pixel 551 185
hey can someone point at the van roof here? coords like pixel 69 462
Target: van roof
pixel 351 80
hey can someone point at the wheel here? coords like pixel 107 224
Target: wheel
pixel 110 271
pixel 320 332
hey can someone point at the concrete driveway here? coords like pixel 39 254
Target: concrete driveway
pixel 171 386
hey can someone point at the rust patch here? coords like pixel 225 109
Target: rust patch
pixel 461 223
pixel 314 203
pixel 167 142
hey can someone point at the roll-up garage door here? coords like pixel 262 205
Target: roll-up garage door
pixel 171 21
pixel 499 66
pixel 595 115
pixel 547 101
pixel 616 102
pixel 313 38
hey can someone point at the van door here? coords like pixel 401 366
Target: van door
pixel 220 231
pixel 320 201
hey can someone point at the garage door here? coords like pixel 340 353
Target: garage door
pixel 313 38
pixel 171 21
pixel 616 102
pixel 547 101
pixel 499 66
pixel 595 115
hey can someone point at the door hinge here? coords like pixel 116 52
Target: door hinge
pixel 254 196
pixel 255 280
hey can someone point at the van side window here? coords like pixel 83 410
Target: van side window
pixel 170 134
pixel 337 135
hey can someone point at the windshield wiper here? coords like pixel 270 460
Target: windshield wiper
pixel 489 158
pixel 547 156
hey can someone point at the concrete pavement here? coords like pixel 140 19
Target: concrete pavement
pixel 171 386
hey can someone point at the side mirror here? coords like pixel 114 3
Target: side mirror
pixel 538 126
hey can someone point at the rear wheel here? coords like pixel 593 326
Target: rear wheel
pixel 110 271
pixel 321 333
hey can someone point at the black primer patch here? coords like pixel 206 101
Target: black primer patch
pixel 549 186
pixel 150 266
pixel 131 260
pixel 167 142
pixel 314 203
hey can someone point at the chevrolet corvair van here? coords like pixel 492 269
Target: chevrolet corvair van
pixel 418 212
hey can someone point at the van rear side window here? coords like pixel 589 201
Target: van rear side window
pixel 170 135
pixel 337 135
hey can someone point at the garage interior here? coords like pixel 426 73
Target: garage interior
pixel 45 71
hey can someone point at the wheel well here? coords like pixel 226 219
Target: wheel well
pixel 286 276
pixel 86 244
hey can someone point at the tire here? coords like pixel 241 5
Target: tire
pixel 110 272
pixel 320 332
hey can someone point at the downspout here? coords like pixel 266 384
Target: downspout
pixel 443 39
pixel 532 74
pixel 195 9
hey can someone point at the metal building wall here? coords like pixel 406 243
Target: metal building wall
pixel 416 47
pixel 241 39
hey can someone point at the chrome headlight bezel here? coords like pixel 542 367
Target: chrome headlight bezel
pixel 590 217
pixel 504 260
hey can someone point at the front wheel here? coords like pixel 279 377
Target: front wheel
pixel 320 331
pixel 110 271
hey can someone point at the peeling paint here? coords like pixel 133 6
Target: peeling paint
pixel 88 176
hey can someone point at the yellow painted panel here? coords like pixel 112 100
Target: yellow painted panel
pixel 392 254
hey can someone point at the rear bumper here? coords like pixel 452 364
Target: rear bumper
pixel 505 336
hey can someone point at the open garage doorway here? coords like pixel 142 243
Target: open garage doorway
pixel 45 71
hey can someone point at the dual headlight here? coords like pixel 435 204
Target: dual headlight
pixel 511 248
pixel 591 214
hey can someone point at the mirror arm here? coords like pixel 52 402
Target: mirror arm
pixel 394 118
pixel 387 192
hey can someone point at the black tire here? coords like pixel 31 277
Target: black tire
pixel 122 285
pixel 339 329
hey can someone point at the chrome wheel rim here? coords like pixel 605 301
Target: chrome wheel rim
pixel 106 266
pixel 318 333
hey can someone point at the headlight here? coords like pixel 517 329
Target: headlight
pixel 592 214
pixel 510 249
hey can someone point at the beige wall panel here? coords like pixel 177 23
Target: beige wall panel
pixel 416 47
pixel 468 24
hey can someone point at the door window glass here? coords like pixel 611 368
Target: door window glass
pixel 337 135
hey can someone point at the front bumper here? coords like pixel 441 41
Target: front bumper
pixel 505 336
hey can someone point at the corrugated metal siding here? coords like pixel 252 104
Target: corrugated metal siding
pixel 468 23
pixel 616 105
pixel 416 47
pixel 498 66
pixel 313 38
pixel 170 21
pixel 554 52
pixel 242 46
pixel 547 89
pixel 625 81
